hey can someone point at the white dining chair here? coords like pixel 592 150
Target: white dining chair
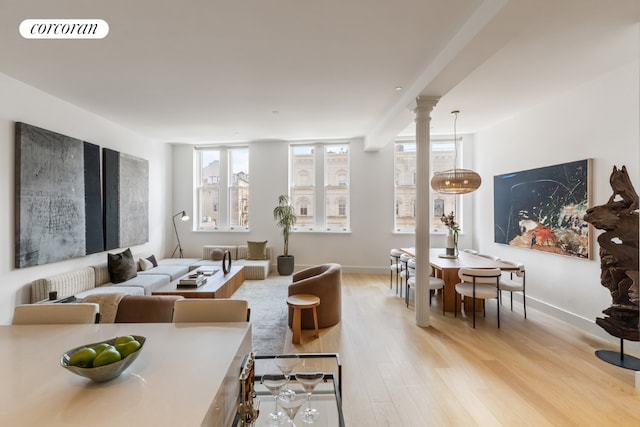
pixel 395 267
pixel 56 313
pixel 404 271
pixel 515 283
pixel 435 284
pixel 191 310
pixel 493 257
pixel 478 283
pixel 410 281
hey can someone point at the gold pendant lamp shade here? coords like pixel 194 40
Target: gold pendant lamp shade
pixel 455 181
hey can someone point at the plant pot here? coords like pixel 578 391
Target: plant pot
pixel 285 265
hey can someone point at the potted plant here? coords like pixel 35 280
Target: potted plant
pixel 285 217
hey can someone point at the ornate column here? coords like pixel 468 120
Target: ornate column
pixel 424 105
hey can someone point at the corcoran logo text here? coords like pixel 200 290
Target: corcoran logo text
pixel 64 29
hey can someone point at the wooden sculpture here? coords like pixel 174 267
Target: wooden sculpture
pixel 619 256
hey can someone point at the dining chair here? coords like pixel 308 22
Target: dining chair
pixel 410 281
pixel 515 283
pixel 493 257
pixel 56 313
pixel 435 284
pixel 395 267
pixel 190 310
pixel 478 283
pixel 146 309
pixel 404 272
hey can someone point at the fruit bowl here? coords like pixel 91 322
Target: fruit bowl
pixel 105 372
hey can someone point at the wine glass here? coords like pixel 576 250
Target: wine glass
pixel 287 363
pixel 309 381
pixel 274 382
pixel 291 402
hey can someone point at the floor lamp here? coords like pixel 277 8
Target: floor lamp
pixel 184 217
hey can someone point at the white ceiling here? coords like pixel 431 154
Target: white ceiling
pixel 213 71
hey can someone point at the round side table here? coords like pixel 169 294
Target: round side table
pixel 298 303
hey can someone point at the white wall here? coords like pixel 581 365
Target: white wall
pixel 20 102
pixel 366 248
pixel 599 120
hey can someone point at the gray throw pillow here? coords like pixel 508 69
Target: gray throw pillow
pixel 217 254
pixel 153 260
pixel 122 266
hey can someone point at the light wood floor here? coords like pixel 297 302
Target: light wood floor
pixel 533 372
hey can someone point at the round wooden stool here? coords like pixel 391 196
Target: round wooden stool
pixel 298 303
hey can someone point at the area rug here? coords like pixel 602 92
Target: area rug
pixel 267 301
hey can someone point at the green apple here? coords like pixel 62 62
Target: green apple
pixel 123 339
pixel 82 357
pixel 107 356
pixel 127 348
pixel 100 347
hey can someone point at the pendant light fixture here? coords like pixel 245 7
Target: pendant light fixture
pixel 455 181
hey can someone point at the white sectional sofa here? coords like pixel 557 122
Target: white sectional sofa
pixel 95 280
pixel 253 269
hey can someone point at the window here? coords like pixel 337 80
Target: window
pixel 304 207
pixel 222 187
pixel 319 186
pixel 303 187
pixel 442 158
pixel 336 186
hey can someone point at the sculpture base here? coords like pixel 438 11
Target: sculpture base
pixel 619 359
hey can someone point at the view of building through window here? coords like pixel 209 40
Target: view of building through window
pixel 323 167
pixel 302 185
pixel 442 158
pixel 222 188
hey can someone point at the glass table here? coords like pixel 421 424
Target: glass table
pixel 326 397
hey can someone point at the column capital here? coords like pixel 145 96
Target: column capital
pixel 425 104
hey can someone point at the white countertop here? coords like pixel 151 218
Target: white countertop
pixel 186 375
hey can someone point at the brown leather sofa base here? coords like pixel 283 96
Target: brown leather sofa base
pixel 146 309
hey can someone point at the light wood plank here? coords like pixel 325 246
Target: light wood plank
pixel 537 371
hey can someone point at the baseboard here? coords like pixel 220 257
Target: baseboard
pixel 584 324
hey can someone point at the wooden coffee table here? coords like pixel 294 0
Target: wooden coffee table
pixel 219 285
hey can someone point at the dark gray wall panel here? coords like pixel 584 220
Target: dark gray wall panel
pixel 111 192
pixel 93 199
pixel 50 197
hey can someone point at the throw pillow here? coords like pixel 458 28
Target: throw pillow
pixel 257 250
pixel 153 261
pixel 145 264
pixel 217 254
pixel 122 266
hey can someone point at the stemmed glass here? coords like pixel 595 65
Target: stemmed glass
pixel 274 382
pixel 287 363
pixel 291 403
pixel 309 381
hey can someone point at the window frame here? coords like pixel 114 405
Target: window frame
pixel 226 185
pixel 319 189
pixel 435 226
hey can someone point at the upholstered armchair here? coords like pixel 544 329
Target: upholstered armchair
pixel 325 282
